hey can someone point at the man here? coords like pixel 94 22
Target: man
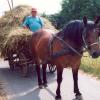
pixel 33 22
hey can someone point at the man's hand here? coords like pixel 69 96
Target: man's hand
pixel 25 27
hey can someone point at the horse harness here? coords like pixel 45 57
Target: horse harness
pixel 67 48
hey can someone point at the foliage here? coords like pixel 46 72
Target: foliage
pixel 90 65
pixel 44 15
pixel 57 20
pixel 76 9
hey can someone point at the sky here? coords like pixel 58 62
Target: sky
pixel 47 6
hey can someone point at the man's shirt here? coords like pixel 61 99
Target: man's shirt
pixel 33 23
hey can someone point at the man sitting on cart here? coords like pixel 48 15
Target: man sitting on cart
pixel 33 22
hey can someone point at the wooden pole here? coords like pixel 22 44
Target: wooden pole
pixel 9 4
pixel 12 3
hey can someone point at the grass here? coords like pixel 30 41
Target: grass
pixel 90 65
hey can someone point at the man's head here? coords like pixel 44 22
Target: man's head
pixel 34 12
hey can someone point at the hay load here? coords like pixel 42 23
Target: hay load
pixel 10 21
pixel 12 35
pixel 15 16
pixel 17 40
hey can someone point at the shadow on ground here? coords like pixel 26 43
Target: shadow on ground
pixel 20 88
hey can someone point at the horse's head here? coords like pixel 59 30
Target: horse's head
pixel 91 37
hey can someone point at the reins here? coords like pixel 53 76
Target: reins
pixel 68 45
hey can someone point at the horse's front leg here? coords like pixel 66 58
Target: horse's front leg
pixel 75 78
pixel 59 80
pixel 39 75
pixel 44 66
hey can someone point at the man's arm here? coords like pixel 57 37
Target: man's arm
pixel 25 27
pixel 41 22
pixel 25 23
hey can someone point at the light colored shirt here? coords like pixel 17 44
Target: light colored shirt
pixel 33 23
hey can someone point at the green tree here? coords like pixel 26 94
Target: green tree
pixel 44 15
pixel 57 20
pixel 76 9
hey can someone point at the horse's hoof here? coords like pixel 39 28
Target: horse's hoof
pixel 24 75
pixel 79 97
pixel 40 86
pixel 78 94
pixel 58 98
pixel 45 85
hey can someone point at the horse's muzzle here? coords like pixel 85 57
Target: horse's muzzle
pixel 95 54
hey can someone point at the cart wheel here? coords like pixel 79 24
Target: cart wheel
pixel 11 64
pixel 52 68
pixel 10 61
pixel 23 64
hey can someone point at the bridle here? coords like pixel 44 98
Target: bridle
pixel 86 46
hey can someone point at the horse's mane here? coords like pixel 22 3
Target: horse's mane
pixel 73 30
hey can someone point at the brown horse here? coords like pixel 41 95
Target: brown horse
pixel 64 49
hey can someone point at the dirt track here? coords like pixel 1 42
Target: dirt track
pixel 18 88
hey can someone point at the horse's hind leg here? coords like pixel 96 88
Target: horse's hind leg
pixel 39 75
pixel 59 80
pixel 75 78
pixel 44 66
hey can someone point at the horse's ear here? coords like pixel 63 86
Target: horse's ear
pixel 97 19
pixel 85 20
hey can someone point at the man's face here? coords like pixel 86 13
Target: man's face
pixel 34 13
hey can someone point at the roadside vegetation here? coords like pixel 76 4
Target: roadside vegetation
pixel 3 95
pixel 90 65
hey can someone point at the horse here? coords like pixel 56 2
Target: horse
pixel 65 49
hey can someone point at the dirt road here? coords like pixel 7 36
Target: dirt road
pixel 18 88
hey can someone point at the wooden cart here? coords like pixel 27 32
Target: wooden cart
pixel 22 60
